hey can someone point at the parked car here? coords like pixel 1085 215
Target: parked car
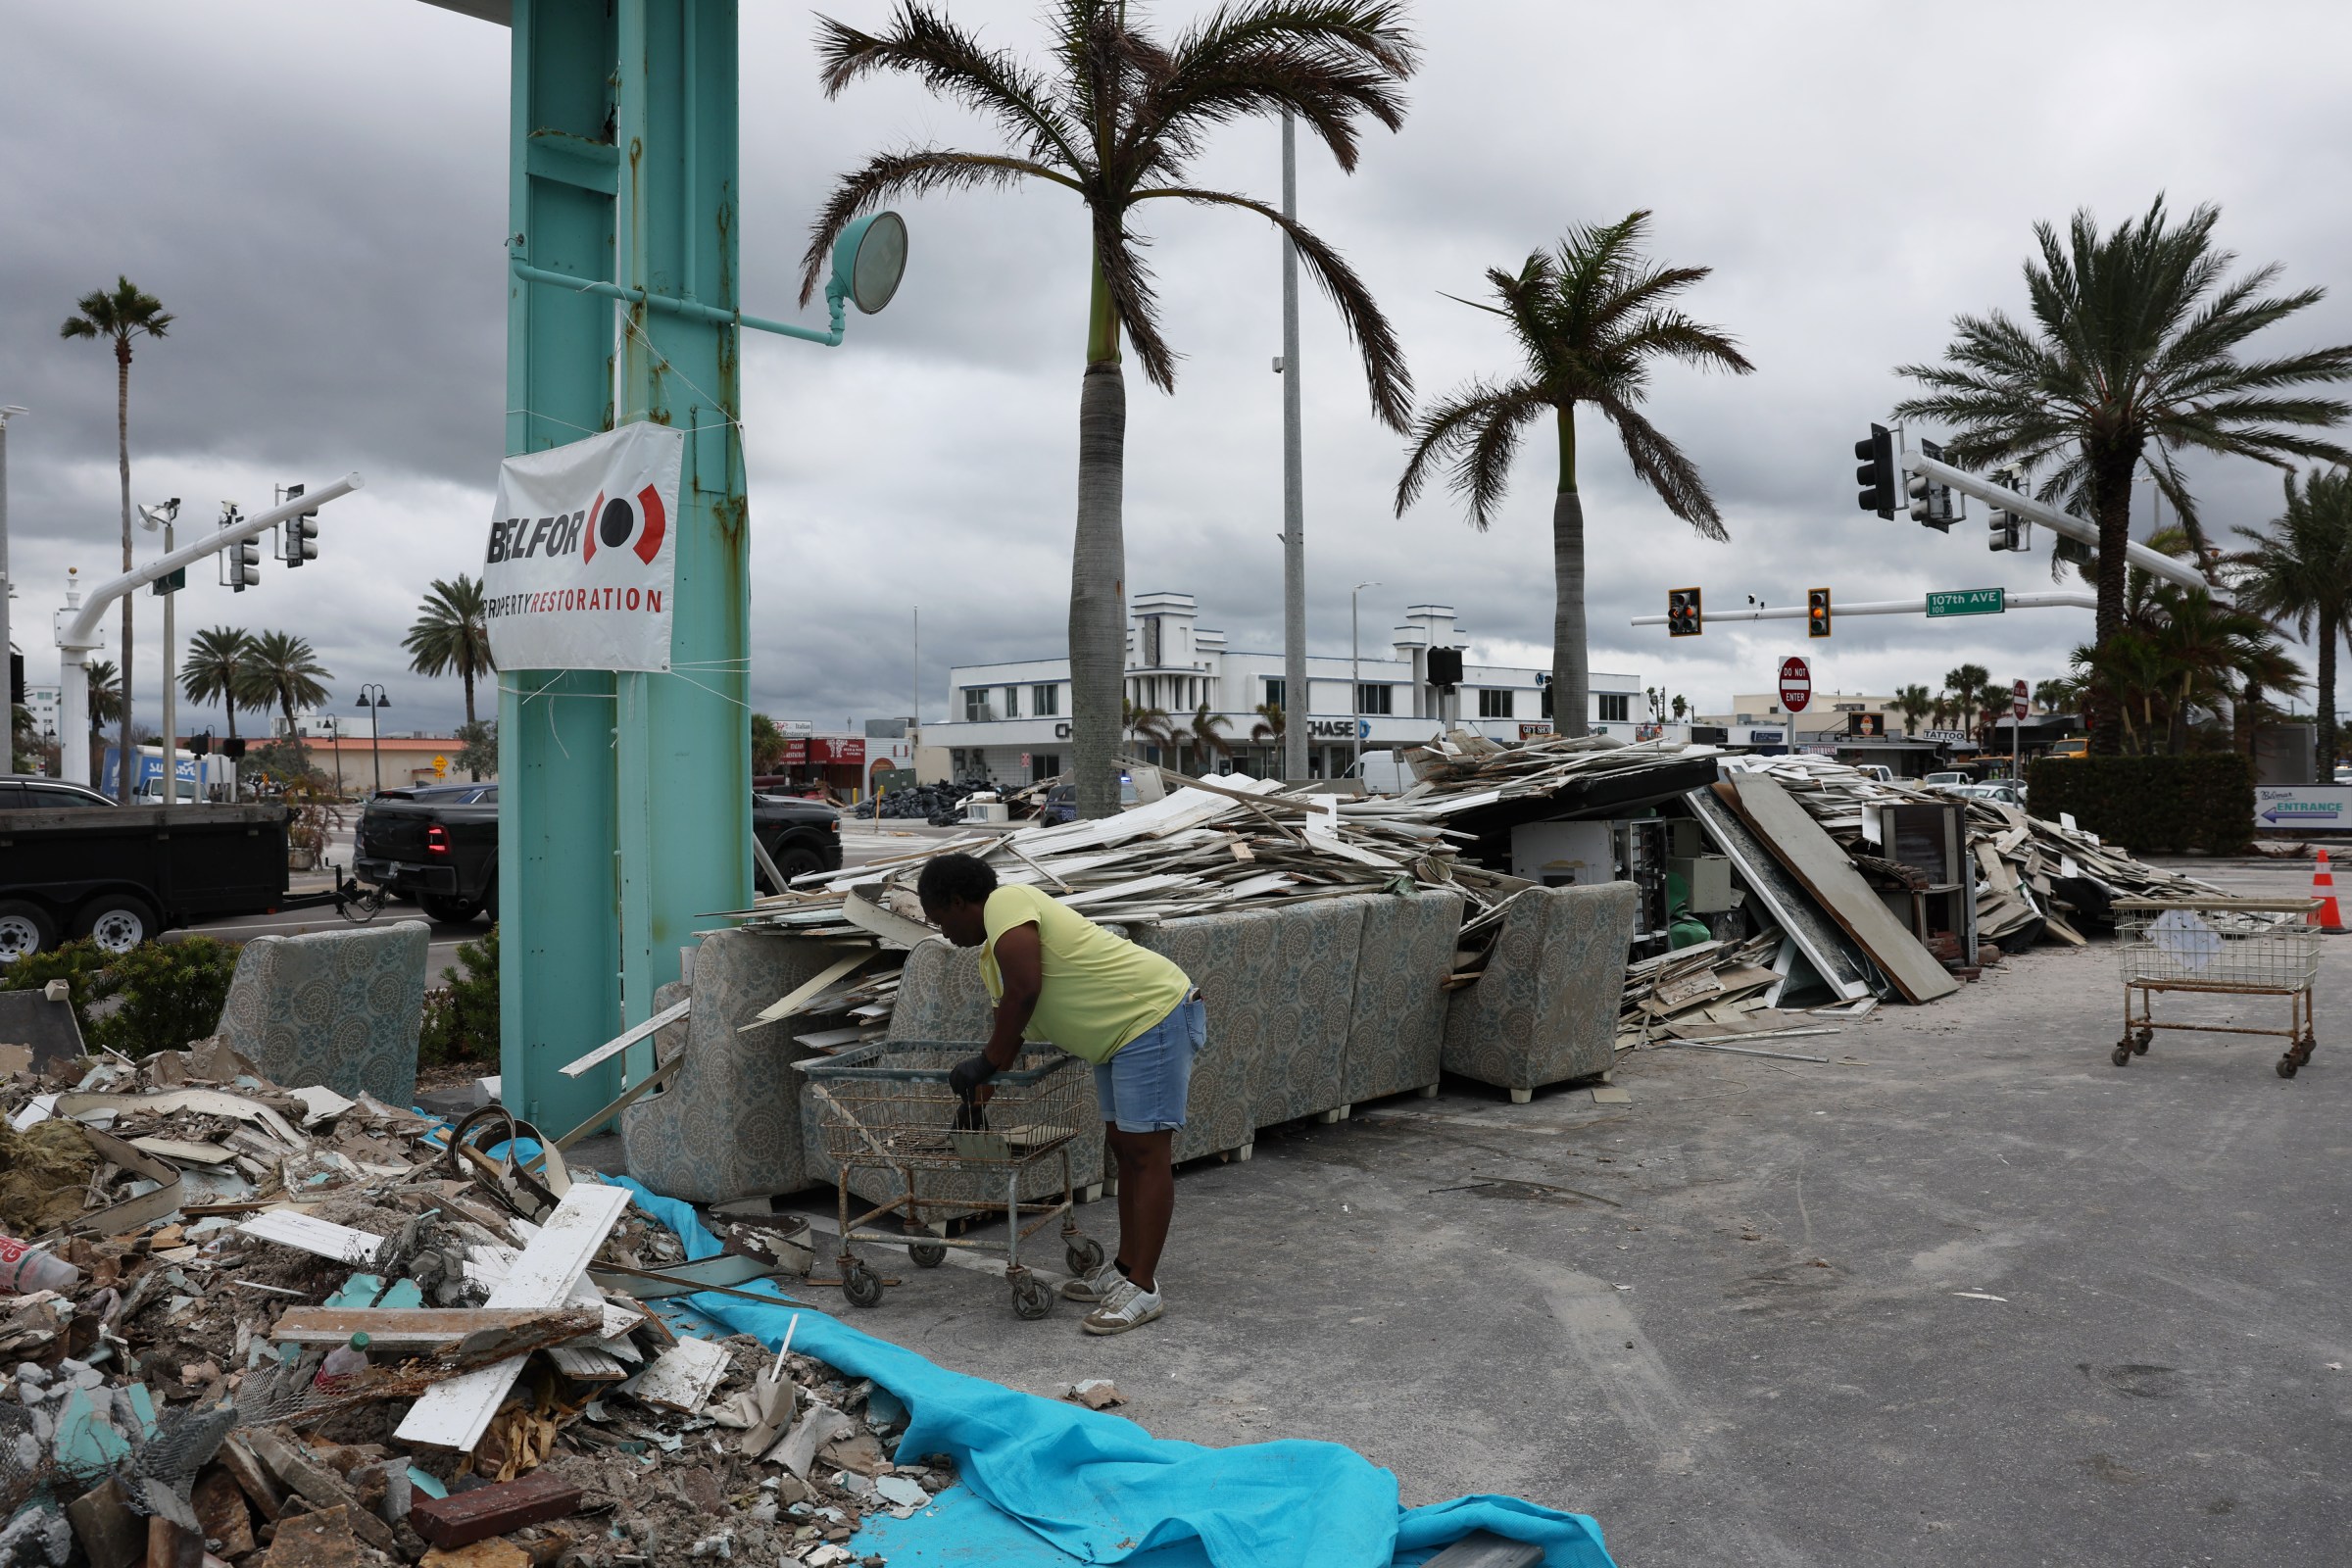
pixel 1878 770
pixel 800 835
pixel 1939 780
pixel 75 864
pixel 2072 751
pixel 2006 791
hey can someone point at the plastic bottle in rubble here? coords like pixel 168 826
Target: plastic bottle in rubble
pixel 342 1363
pixel 24 1269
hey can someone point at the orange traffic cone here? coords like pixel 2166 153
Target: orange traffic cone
pixel 2323 888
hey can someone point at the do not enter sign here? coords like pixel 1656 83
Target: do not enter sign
pixel 1797 684
pixel 2018 701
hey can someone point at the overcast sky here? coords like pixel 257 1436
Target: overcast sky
pixel 318 193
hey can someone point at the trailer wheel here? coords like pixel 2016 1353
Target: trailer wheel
pixel 24 930
pixel 116 921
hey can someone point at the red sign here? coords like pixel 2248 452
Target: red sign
pixel 1797 684
pixel 827 749
pixel 2017 700
pixel 796 754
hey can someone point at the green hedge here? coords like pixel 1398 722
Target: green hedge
pixel 167 993
pixel 2151 804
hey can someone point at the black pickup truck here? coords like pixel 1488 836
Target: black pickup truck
pixel 72 863
pixel 439 842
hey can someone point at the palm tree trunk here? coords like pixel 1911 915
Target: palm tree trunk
pixel 466 671
pixel 2326 696
pixel 2111 498
pixel 1571 669
pixel 123 772
pixel 1099 589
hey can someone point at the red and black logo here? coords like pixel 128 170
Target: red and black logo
pixel 625 524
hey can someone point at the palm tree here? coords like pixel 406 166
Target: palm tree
pixel 2300 572
pixel 1913 702
pixel 2133 342
pixel 1963 684
pixel 2056 696
pixel 452 635
pixel 118 314
pixel 1993 705
pixel 1588 319
pixel 217 667
pixel 1267 732
pixel 1115 119
pixel 106 692
pixel 287 675
pixel 1207 737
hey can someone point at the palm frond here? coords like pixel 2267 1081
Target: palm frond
pixel 1475 433
pixel 915 171
pixel 952 63
pixel 1661 465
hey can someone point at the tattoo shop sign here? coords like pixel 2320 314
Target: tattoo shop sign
pixel 582 557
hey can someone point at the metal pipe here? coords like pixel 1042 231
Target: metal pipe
pixel 2062 600
pixel 1294 706
pixel 2080 529
pixel 692 309
pixel 4 413
pixel 171 746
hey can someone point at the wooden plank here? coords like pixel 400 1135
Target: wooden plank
pixel 1823 945
pixel 405 1327
pixel 1823 870
pixel 454 1415
pixel 682 1376
pixel 589 1363
pixel 881 922
pixel 791 1002
pixel 320 1237
pixel 627 1038
pixel 459 1520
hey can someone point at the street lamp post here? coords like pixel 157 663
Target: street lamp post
pixel 334 738
pixel 376 728
pixel 6 414
pixel 1356 679
pixel 163 518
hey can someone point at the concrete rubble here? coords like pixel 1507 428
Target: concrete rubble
pixel 271 1286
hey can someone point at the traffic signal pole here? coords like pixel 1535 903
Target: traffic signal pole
pixel 2059 600
pixel 77 625
pixel 2155 562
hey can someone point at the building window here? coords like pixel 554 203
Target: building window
pixel 976 706
pixel 1275 691
pixel 1045 701
pixel 1371 698
pixel 1012 702
pixel 1044 765
pixel 1616 707
pixel 1494 703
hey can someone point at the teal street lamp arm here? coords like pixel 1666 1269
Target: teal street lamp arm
pixel 834 298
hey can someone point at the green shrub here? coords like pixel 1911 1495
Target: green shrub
pixel 461 1020
pixel 167 993
pixel 2160 805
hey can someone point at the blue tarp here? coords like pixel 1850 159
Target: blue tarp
pixel 1099 1489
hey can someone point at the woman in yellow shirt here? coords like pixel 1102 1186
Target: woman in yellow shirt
pixel 1060 979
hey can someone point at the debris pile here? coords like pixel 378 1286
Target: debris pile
pixel 282 1328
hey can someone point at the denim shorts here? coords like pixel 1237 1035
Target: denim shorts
pixel 1144 1083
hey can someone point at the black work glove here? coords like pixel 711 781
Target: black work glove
pixel 967 1075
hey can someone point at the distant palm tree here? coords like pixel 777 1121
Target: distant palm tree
pixel 1590 320
pixel 2299 571
pixel 287 675
pixel 118 314
pixel 2133 342
pixel 1268 728
pixel 1965 683
pixel 1206 736
pixel 1148 725
pixel 106 692
pixel 1913 702
pixel 1993 705
pixel 217 667
pixel 452 635
pixel 2056 696
pixel 1116 118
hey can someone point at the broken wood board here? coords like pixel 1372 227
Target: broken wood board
pixel 682 1377
pixel 454 1415
pixel 627 1038
pixel 1823 945
pixel 1822 867
pixel 406 1327
pixel 318 1237
pixel 792 1001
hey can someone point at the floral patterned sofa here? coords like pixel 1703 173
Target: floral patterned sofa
pixel 1545 1010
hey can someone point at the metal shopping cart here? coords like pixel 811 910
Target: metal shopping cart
pixel 2217 946
pixel 887 1108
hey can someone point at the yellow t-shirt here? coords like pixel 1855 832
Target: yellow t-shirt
pixel 1099 991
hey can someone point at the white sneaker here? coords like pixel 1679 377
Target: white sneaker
pixel 1129 1307
pixel 1093 1286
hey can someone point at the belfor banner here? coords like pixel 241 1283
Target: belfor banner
pixel 583 553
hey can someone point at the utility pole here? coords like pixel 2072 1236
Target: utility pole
pixel 1355 680
pixel 1294 705
pixel 5 415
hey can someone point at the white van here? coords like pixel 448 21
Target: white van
pixel 1384 772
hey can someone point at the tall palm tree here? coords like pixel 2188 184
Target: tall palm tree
pixel 1914 704
pixel 2299 571
pixel 216 670
pixel 106 692
pixel 1115 119
pixel 118 314
pixel 287 675
pixel 2134 344
pixel 1590 320
pixel 452 635
pixel 1965 683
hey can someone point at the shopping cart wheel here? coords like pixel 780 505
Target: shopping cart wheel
pixel 1030 1297
pixel 2142 1041
pixel 2287 1064
pixel 926 1255
pixel 1084 1255
pixel 862 1285
pixel 2121 1056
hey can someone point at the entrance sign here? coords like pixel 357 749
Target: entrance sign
pixel 582 556
pixel 1797 684
pixel 1968 602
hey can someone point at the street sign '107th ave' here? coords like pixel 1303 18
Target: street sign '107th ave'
pixel 1968 602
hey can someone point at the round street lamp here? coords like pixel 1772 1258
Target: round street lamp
pixel 868 261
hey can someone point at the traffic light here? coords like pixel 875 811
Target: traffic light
pixel 200 745
pixel 1931 499
pixel 302 533
pixel 2008 530
pixel 244 565
pixel 1817 611
pixel 234 748
pixel 1875 475
pixel 1682 612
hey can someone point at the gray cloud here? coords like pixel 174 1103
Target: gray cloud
pixel 320 192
